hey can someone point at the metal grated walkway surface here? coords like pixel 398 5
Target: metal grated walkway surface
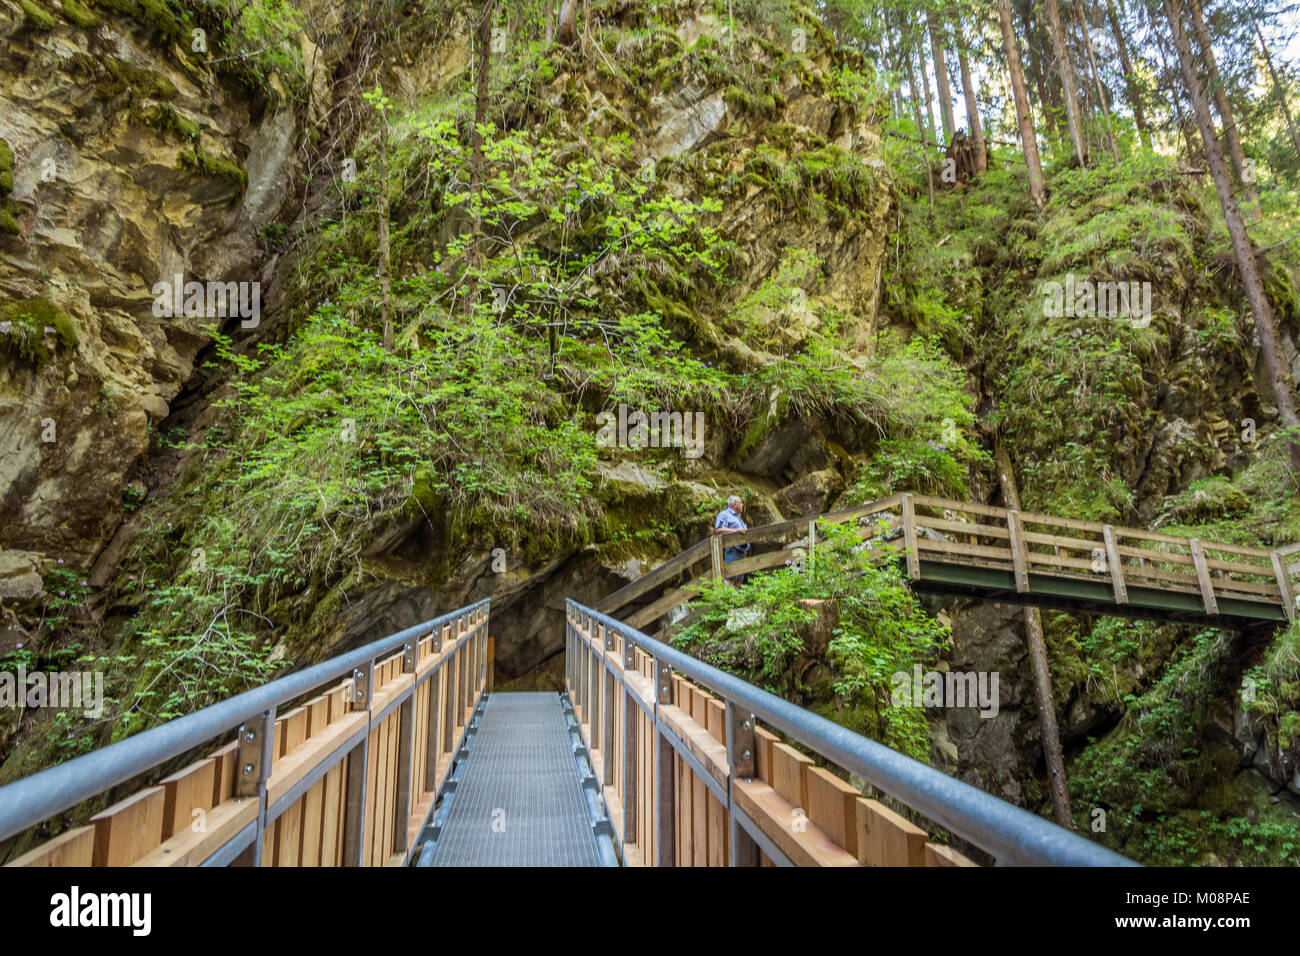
pixel 518 801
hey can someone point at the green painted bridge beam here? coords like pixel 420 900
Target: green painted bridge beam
pixel 1047 590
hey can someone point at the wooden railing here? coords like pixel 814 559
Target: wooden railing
pixel 345 778
pixel 924 528
pixel 690 778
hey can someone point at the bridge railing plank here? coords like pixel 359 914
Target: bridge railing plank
pixel 981 535
pixel 808 814
pixel 302 811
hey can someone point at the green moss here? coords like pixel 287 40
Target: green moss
pixel 165 118
pixel 156 12
pixel 128 7
pixel 37 18
pixel 76 12
pixel 28 319
pixel 6 169
pixel 198 160
pixel 112 77
pixel 162 16
pixel 8 224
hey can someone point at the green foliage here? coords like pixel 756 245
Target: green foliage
pixel 1271 689
pixel 27 321
pixel 1259 506
pixel 931 423
pixel 1169 795
pixel 757 630
pixel 67 598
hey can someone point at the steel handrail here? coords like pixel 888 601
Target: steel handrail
pixel 26 802
pixel 1011 834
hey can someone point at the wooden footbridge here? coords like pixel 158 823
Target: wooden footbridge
pixel 974 550
pixel 401 753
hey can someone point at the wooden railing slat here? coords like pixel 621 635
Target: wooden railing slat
pixel 1203 577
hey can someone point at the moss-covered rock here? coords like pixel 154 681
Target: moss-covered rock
pixel 36 16
pixel 111 77
pixel 74 11
pixel 167 119
pixel 6 169
pixel 217 168
pixel 29 322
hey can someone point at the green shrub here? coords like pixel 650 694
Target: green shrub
pixel 28 319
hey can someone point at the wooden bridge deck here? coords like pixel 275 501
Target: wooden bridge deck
pixel 973 550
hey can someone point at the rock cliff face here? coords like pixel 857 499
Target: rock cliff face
pixel 132 163
pixel 701 137
pixel 126 160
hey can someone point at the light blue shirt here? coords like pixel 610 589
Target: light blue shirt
pixel 729 519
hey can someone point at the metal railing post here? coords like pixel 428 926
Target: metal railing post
pixel 665 799
pixel 631 714
pixel 447 675
pixel 596 686
pixel 354 815
pixel 584 649
pixel 568 655
pixel 405 748
pixel 254 758
pixel 607 712
pixel 742 749
pixel 460 683
pixel 435 732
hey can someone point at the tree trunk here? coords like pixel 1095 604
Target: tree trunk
pixel 941 76
pixel 925 85
pixel 385 251
pixel 1192 154
pixel 1265 328
pixel 569 23
pixel 1027 139
pixel 1048 99
pixel 1096 76
pixel 1235 153
pixel 1130 80
pixel 1043 694
pixel 1281 90
pixel 1073 121
pixel 915 97
pixel 972 108
pixel 483 40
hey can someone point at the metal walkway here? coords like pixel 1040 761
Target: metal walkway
pixel 518 800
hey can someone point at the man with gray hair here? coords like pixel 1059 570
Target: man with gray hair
pixel 729 521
